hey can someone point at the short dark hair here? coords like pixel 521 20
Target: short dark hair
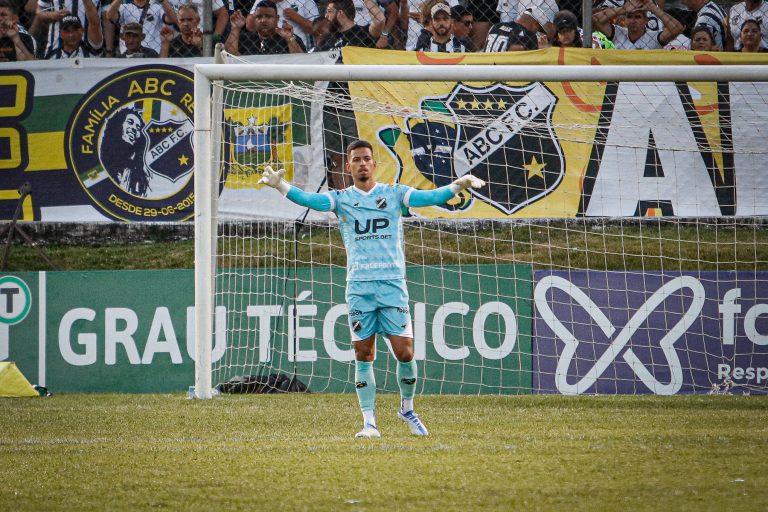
pixel 458 12
pixel 750 20
pixel 703 28
pixel 357 144
pixel 345 6
pixel 269 4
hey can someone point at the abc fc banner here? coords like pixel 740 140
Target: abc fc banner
pixel 104 140
pixel 564 149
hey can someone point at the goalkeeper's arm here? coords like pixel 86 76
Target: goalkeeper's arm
pixel 419 198
pixel 274 179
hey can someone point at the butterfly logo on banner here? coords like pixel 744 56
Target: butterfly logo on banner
pixel 619 341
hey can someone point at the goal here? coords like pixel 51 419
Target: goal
pixel 620 245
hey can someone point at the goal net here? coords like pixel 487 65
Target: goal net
pixel 619 245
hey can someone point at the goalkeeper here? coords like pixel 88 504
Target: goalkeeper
pixel 371 227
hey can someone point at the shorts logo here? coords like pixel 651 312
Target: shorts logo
pixel 404 311
pixel 515 151
pixel 129 142
pixel 357 326
pixel 355 312
pixel 381 203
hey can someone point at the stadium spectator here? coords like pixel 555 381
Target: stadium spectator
pixel 370 221
pixel 299 13
pixel 463 25
pixel 710 14
pixel 749 10
pixel 50 14
pixel 415 17
pixel 486 15
pixel 374 22
pixel 72 43
pixel 702 39
pixel 339 126
pixel 636 35
pixel 751 41
pixel 653 22
pixel 268 39
pixel 189 41
pixel 567 33
pixel 132 35
pixel 389 36
pixel 440 37
pixel 521 34
pixel 149 14
pixel 15 42
pixel 25 10
pixel 321 32
pixel 219 11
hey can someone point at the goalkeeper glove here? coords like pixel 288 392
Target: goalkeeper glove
pixel 465 182
pixel 275 180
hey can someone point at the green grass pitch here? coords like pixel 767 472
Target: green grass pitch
pixel 297 452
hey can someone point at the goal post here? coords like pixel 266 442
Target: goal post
pixel 574 298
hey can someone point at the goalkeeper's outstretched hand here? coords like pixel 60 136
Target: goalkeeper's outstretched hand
pixel 469 181
pixel 271 177
pixel 274 179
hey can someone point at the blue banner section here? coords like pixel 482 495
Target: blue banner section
pixel 645 332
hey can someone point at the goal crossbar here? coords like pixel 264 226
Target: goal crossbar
pixel 481 73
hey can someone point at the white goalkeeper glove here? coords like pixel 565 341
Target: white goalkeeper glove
pixel 274 179
pixel 465 182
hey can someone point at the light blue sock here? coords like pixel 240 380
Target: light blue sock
pixel 365 386
pixel 406 379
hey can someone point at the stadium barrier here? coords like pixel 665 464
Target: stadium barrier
pixel 131 332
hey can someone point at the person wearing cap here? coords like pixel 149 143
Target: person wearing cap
pixel 149 14
pixel 439 37
pixel 636 35
pixel 132 35
pixel 567 33
pixel 463 23
pixel 73 44
pixel 268 39
pixel 15 43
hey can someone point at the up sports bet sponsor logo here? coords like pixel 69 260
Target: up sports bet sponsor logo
pixel 129 142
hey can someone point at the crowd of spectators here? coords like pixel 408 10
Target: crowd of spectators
pixel 61 29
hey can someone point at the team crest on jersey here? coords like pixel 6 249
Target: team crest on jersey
pixel 129 143
pixel 501 134
pixel 381 203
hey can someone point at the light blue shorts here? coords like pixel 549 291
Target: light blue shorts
pixel 378 307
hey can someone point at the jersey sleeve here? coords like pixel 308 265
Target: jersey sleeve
pixel 420 198
pixel 313 200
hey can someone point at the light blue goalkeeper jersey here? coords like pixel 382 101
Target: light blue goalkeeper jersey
pixel 371 224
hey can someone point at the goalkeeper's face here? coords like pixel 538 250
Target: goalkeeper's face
pixel 361 165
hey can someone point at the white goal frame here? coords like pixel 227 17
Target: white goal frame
pixel 206 138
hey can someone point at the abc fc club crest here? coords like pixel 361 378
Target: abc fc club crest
pixel 500 133
pixel 129 142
